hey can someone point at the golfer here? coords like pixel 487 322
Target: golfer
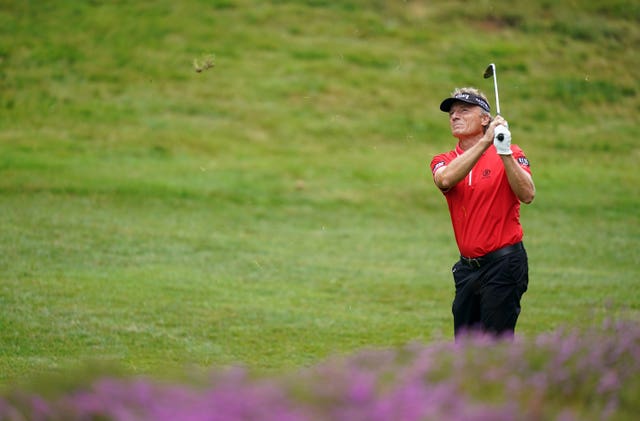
pixel 484 180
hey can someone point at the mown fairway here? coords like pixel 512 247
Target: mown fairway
pixel 278 208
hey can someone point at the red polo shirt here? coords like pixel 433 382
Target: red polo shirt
pixel 485 212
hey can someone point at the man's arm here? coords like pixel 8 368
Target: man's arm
pixel 448 176
pixel 520 180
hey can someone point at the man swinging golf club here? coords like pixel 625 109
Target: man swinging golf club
pixel 484 179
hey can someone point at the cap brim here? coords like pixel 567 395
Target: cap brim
pixel 447 103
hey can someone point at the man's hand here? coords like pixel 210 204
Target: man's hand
pixel 502 140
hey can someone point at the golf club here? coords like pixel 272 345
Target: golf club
pixel 491 71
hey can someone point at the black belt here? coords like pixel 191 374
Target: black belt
pixel 493 256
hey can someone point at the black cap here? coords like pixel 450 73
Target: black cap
pixel 465 97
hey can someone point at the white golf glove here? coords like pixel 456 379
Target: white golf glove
pixel 502 146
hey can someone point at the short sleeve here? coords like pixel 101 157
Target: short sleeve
pixel 520 158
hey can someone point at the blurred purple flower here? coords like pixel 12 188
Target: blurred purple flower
pixel 563 375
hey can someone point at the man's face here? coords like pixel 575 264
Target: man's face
pixel 466 120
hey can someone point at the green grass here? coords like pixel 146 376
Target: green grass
pixel 278 208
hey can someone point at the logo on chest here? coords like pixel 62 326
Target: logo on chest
pixel 486 173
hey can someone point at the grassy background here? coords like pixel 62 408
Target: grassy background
pixel 278 208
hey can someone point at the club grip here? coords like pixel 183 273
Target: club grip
pixel 501 133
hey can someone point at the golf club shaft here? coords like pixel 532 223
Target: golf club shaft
pixel 491 71
pixel 495 85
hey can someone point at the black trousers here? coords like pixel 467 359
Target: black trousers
pixel 488 293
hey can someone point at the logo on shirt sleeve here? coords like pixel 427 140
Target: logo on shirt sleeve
pixel 437 166
pixel 523 161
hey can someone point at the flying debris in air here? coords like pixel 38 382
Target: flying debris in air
pixel 203 63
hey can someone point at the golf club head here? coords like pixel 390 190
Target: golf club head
pixel 490 71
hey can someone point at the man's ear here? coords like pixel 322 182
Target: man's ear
pixel 486 120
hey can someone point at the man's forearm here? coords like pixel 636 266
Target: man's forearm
pixel 456 170
pixel 520 181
